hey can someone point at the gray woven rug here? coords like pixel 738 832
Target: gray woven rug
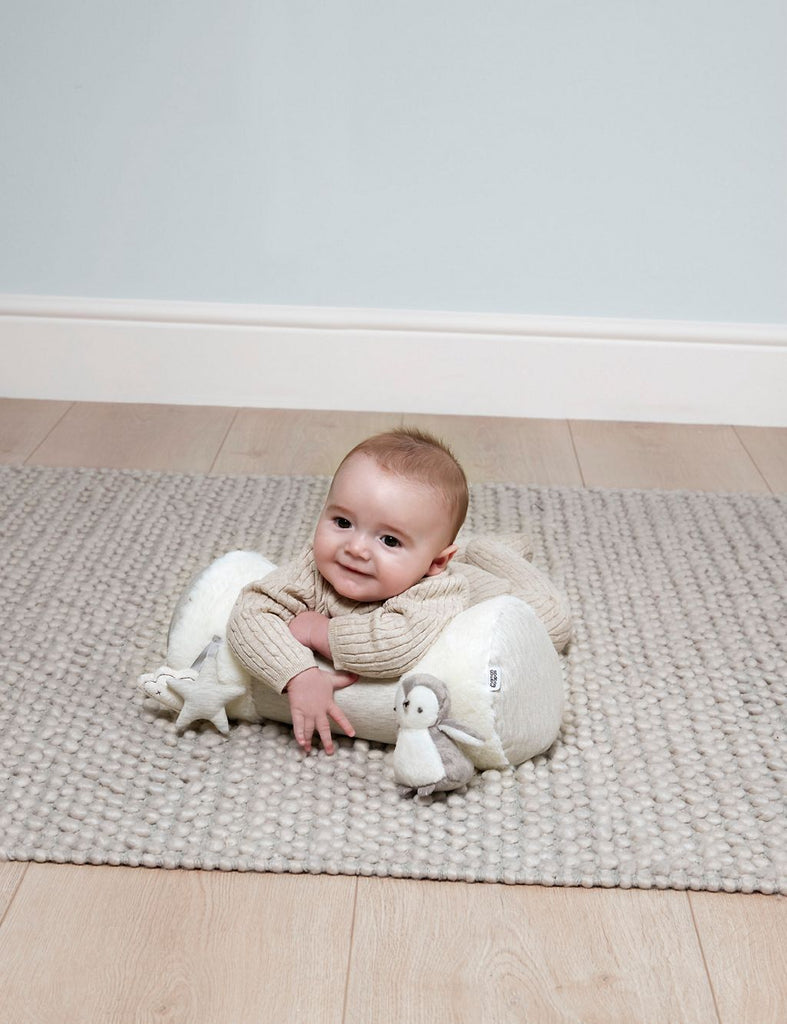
pixel 669 772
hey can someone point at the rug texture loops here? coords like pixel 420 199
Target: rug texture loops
pixel 669 771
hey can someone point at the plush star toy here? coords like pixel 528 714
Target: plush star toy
pixel 195 692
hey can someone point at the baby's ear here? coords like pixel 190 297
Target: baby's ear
pixel 439 562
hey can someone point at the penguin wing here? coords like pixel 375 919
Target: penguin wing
pixel 460 733
pixel 458 769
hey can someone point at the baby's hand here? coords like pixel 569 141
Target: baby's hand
pixel 311 630
pixel 310 694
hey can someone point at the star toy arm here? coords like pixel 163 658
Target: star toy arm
pixel 195 692
pixel 158 685
pixel 205 699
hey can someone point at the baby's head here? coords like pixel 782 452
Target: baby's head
pixel 394 509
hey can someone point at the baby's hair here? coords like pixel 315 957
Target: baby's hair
pixel 417 455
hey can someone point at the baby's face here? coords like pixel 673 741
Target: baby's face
pixel 380 533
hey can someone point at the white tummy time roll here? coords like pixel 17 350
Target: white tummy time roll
pixel 497 660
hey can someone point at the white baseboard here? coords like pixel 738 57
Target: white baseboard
pixel 392 361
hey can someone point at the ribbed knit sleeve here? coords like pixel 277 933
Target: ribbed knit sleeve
pixel 495 563
pixel 389 639
pixel 257 631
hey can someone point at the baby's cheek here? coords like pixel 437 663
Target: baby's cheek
pixel 322 551
pixel 402 574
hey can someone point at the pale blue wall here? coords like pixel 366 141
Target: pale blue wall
pixel 610 158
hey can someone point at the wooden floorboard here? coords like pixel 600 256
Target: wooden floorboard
pixel 667 455
pixel 292 441
pixel 141 945
pixel 498 449
pixel 100 944
pixel 175 438
pixel 11 875
pixel 466 953
pixel 744 942
pixel 24 425
pixel 767 447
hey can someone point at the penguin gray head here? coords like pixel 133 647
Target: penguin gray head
pixel 421 701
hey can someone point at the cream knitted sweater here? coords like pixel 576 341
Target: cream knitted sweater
pixel 384 639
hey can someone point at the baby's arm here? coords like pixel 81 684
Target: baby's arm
pixel 311 629
pixel 311 693
pixel 389 640
pixel 258 633
pixel 263 633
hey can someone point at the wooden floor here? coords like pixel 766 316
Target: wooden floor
pixel 104 944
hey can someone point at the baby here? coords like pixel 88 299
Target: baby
pixel 381 579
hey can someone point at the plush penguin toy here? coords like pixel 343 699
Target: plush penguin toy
pixel 426 759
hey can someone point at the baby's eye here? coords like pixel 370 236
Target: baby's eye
pixel 391 542
pixel 342 523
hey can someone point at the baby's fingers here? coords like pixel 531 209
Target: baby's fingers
pixel 341 719
pixel 303 728
pixel 342 679
pixel 324 729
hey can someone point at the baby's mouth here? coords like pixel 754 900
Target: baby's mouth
pixel 352 570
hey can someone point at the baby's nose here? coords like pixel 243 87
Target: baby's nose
pixel 357 546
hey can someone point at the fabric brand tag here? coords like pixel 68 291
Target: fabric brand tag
pixel 495 677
